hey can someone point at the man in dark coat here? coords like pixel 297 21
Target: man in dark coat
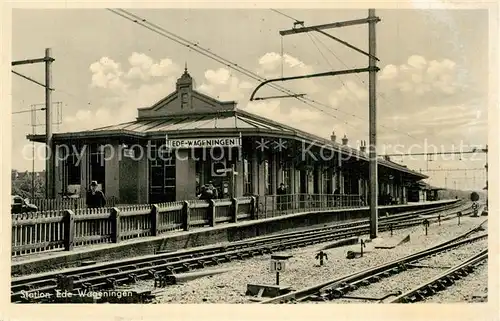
pixel 95 198
pixel 281 191
pixel 208 192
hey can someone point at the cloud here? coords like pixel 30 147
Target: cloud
pixel 388 72
pixel 106 73
pixel 414 116
pixel 349 92
pixel 273 65
pixel 219 76
pixel 145 82
pixel 144 68
pixel 419 76
pixel 272 62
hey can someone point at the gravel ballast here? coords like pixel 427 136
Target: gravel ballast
pixel 302 270
pixel 473 289
pixel 411 278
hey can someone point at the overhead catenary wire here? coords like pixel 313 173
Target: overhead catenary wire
pixel 340 60
pixel 195 47
pixel 357 76
pixel 381 96
pixel 336 56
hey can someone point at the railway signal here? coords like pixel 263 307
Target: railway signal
pixel 426 224
pixel 363 245
pixel 475 207
pixel 320 256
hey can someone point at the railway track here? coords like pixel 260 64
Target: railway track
pixel 341 286
pixel 111 275
pixel 442 281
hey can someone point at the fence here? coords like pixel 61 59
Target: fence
pixel 277 205
pixel 65 203
pixel 65 229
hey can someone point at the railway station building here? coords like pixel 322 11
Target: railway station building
pixel 188 139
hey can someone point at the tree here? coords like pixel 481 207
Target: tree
pixel 22 186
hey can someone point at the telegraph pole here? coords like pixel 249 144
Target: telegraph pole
pixel 486 168
pixel 49 158
pixel 49 165
pixel 372 69
pixel 372 84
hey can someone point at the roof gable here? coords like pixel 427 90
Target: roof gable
pixel 185 101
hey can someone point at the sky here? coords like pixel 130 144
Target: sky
pixel 432 89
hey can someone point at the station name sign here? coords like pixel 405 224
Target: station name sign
pixel 204 142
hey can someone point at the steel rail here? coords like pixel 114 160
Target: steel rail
pixel 46 282
pixel 123 274
pixel 339 285
pixel 442 281
pixel 30 282
pixel 179 254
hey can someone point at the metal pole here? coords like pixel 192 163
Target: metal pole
pixel 33 123
pixel 233 187
pixel 373 124
pixel 49 168
pixel 486 167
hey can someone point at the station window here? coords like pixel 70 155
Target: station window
pixel 267 176
pixel 184 100
pixel 162 175
pixel 73 169
pixel 286 178
pixel 327 182
pixel 247 177
pixel 97 172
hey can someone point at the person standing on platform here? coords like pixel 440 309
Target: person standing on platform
pixel 208 192
pixel 281 197
pixel 214 192
pixel 95 198
pixel 336 197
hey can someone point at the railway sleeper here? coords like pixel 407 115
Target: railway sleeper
pixel 241 255
pixel 429 290
pixel 469 268
pixel 88 286
pixel 218 260
pixel 132 278
pixel 230 257
pixel 187 266
pixel 337 293
pixel 201 264
pixel 439 285
pixel 111 283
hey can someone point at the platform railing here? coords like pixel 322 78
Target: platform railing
pixel 68 228
pixel 277 205
pixel 65 203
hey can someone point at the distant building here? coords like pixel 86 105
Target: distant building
pixel 263 152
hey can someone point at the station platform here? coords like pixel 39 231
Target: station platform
pixel 219 234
